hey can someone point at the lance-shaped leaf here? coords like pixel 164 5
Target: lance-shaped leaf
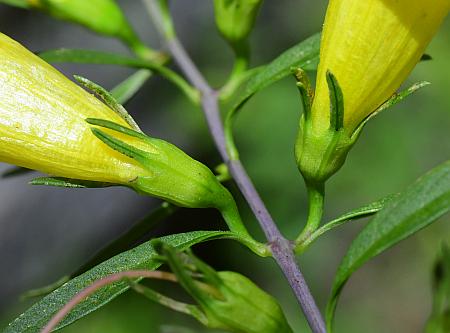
pixel 419 205
pixel 304 55
pixel 141 257
pixel 106 58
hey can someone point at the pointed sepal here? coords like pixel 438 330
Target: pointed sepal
pixel 336 103
pixel 67 182
pixel 109 100
pixel 305 89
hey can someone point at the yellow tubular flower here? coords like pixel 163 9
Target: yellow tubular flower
pixel 50 124
pixel 369 47
pixel 42 122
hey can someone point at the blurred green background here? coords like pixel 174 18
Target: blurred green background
pixel 47 232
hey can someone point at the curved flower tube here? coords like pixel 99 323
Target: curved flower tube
pixel 50 124
pixel 371 47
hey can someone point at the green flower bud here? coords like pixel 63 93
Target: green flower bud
pixel 49 124
pixel 226 300
pixel 168 172
pixel 102 16
pixel 235 19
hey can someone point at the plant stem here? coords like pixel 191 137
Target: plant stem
pixel 282 249
pixel 82 295
pixel 238 74
pixel 316 194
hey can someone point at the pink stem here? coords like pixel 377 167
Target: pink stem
pixel 82 295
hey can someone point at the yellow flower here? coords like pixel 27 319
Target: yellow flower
pixel 42 122
pixel 371 46
pixel 49 124
pixel 368 49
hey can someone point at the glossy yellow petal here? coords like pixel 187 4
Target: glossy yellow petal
pixel 42 122
pixel 371 46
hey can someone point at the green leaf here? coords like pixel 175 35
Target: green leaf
pixel 304 55
pixel 419 205
pixel 393 100
pixel 358 213
pixel 94 57
pixel 106 58
pixel 125 90
pixel 141 257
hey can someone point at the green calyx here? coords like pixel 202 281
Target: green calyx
pixel 226 300
pixel 235 20
pixel 321 153
pixel 174 176
pixel 170 173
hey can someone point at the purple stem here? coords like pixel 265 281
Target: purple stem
pixel 282 249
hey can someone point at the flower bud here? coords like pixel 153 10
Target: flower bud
pixel 235 19
pixel 368 49
pixel 226 300
pixel 102 16
pixel 43 127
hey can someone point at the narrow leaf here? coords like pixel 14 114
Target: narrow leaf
pixel 358 213
pixel 304 55
pixel 419 205
pixel 141 257
pixel 94 57
pixel 394 99
pixel 125 90
pixel 364 211
pixel 105 58
pixel 398 97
